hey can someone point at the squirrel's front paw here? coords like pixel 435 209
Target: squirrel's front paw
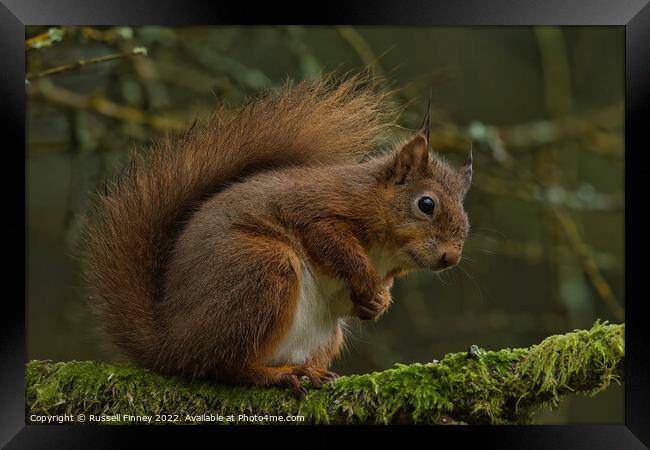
pixel 375 308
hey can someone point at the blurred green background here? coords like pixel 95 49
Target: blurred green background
pixel 542 107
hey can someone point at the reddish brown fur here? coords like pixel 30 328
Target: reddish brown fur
pixel 195 254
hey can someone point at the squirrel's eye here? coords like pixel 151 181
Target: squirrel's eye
pixel 426 205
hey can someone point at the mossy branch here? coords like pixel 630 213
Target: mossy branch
pixel 477 387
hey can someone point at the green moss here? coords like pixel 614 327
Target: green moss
pixel 505 386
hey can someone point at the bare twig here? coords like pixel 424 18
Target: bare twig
pixel 589 266
pixel 85 62
pixel 45 39
pixel 101 105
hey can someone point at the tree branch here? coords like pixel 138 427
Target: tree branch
pixel 54 95
pixel 85 62
pixel 477 387
pixel 587 261
pixel 45 39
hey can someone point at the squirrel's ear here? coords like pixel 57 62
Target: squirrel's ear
pixel 466 173
pixel 412 157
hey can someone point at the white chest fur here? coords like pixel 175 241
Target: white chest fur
pixel 323 304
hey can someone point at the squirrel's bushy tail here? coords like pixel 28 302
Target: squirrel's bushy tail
pixel 136 220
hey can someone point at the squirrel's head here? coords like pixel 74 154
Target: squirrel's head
pixel 423 195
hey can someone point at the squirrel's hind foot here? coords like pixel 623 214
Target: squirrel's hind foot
pixel 290 376
pixel 317 377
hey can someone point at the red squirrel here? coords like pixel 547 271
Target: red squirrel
pixel 237 251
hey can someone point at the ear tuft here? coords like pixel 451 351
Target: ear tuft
pixel 466 173
pixel 411 158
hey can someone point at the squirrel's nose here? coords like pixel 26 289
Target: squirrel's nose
pixel 450 259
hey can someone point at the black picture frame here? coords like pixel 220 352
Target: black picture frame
pixel 634 15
